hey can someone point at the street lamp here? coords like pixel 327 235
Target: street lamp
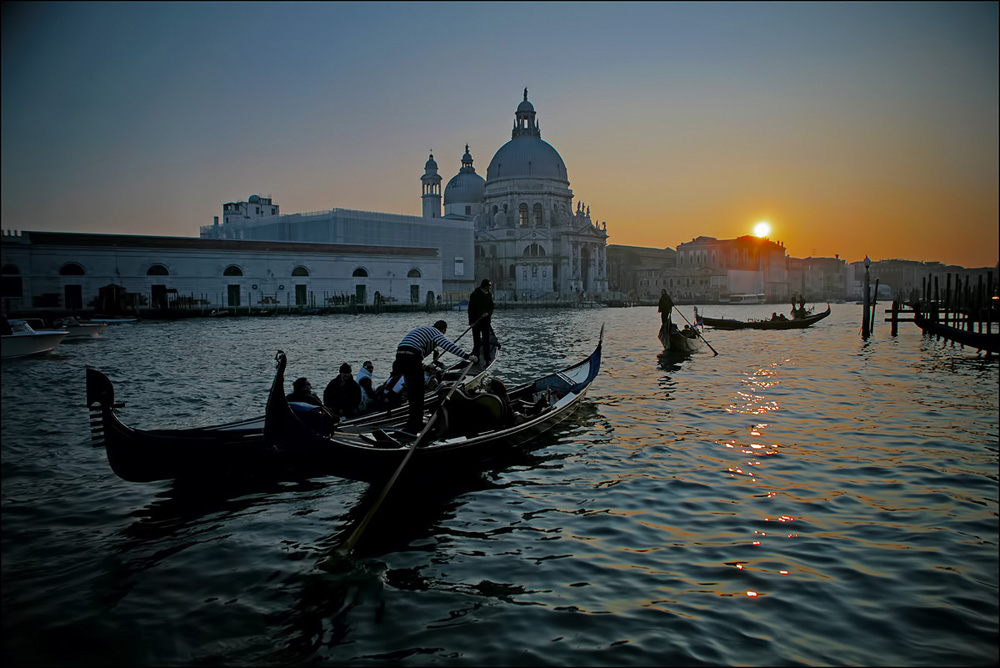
pixel 865 326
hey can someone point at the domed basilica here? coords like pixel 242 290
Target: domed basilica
pixel 529 240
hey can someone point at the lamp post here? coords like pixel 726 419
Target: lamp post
pixel 865 323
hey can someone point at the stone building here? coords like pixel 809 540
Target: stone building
pixel 530 241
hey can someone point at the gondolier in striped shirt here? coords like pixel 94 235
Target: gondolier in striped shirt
pixel 409 364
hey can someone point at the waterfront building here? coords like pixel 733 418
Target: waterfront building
pixel 637 272
pixel 906 280
pixel 817 279
pixel 75 272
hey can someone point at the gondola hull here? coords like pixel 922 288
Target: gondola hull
pixel 676 342
pixel 794 323
pixel 146 455
pixel 373 456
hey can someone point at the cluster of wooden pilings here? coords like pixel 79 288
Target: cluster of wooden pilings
pixel 968 307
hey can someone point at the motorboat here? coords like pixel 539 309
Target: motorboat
pixel 21 340
pixel 77 329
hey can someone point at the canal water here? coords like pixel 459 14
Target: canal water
pixel 802 498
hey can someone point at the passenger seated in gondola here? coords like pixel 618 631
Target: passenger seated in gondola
pixel 389 396
pixel 342 395
pixel 302 393
pixel 774 315
pixel 309 408
pixel 364 379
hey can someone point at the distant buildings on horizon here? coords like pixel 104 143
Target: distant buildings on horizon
pixel 518 227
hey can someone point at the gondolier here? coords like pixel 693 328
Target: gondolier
pixel 480 319
pixel 409 364
pixel 665 307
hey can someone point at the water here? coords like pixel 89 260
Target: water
pixel 803 498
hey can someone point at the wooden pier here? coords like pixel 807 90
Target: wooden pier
pixel 967 314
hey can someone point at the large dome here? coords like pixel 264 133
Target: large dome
pixel 526 155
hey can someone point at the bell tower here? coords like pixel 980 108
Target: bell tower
pixel 431 182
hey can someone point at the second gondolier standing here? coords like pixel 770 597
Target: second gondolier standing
pixel 409 364
pixel 665 307
pixel 480 319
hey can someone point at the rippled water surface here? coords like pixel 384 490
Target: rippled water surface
pixel 803 498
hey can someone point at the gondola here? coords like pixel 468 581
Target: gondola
pixel 980 340
pixel 471 429
pixel 678 341
pixel 794 323
pixel 145 455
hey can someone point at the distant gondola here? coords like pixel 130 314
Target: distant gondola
pixel 793 323
pixel 680 341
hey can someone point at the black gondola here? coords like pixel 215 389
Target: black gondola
pixel 680 341
pixel 793 323
pixel 471 430
pixel 145 455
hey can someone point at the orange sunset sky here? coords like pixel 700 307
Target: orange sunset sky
pixel 853 128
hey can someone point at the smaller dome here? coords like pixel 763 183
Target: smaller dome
pixel 431 164
pixel 254 199
pixel 525 106
pixel 465 188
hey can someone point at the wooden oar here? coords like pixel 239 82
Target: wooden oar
pixel 701 335
pixel 353 540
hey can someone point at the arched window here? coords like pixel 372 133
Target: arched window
pixel 71 269
pixel 513 271
pixel 232 270
pixel 537 215
pixel 300 271
pixel 523 214
pixel 413 273
pixel 157 270
pixel 534 250
pixel 360 272
pixel 493 251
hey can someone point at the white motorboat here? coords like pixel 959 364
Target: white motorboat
pixel 80 330
pixel 20 340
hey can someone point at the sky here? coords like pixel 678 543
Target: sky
pixel 854 128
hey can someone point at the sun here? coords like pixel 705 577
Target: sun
pixel 762 229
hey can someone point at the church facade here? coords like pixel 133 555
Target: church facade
pixel 529 240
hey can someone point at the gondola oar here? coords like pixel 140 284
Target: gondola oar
pixel 353 539
pixel 693 327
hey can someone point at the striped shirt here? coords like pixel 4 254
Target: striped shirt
pixel 426 339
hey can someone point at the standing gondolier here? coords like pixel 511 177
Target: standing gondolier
pixel 409 364
pixel 480 319
pixel 665 307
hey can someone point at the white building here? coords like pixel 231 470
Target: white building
pixel 66 271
